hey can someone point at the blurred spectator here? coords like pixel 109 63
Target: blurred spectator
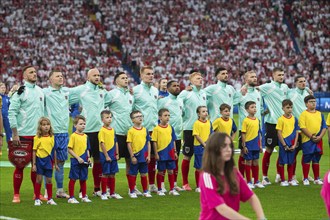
pixel 174 36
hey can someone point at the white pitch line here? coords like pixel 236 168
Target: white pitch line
pixel 8 218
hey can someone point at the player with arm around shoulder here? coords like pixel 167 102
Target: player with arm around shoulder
pixel 175 107
pixel 191 100
pixel 222 186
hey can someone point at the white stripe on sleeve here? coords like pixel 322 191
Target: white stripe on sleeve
pixel 207 180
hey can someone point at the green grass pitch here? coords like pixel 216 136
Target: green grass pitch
pixel 301 202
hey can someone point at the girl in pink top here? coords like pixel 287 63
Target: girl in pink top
pixel 222 186
pixel 325 192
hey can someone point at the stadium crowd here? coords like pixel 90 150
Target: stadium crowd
pixel 240 35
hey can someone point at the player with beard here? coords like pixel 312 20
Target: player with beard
pixel 175 106
pixel 297 96
pixel 26 107
pixel 93 98
pixel 252 94
pixel 220 93
pixel 121 106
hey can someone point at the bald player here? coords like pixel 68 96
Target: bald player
pixel 252 94
pixel 93 98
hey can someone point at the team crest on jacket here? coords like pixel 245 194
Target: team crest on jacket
pixel 40 99
pixel 155 96
pixel 101 96
pixel 258 99
pixel 203 98
pixel 269 141
pixel 229 95
pixel 130 102
pixel 66 97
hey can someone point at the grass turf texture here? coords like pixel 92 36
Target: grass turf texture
pixel 301 202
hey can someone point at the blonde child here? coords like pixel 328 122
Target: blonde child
pixel 225 124
pixel 78 148
pixel 163 138
pixel 108 156
pixel 43 159
pixel 201 131
pixel 251 144
pixel 138 144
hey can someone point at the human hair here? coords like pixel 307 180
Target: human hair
pixel 159 81
pixel 25 68
pixel 212 162
pixel 309 97
pixel 248 73
pixel 145 68
pixel 248 104
pixel 221 68
pixel 286 102
pixel 53 71
pixel 77 118
pixel 117 75
pixel 105 112
pixel 133 113
pixel 193 75
pixel 169 83
pixel 1 83
pixel 223 106
pixel 298 77
pixel 277 69
pixel 199 108
pixel 161 111
pixel 39 129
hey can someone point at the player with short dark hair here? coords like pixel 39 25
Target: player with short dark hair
pixel 27 106
pixel 220 93
pixel 121 105
pixel 175 107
